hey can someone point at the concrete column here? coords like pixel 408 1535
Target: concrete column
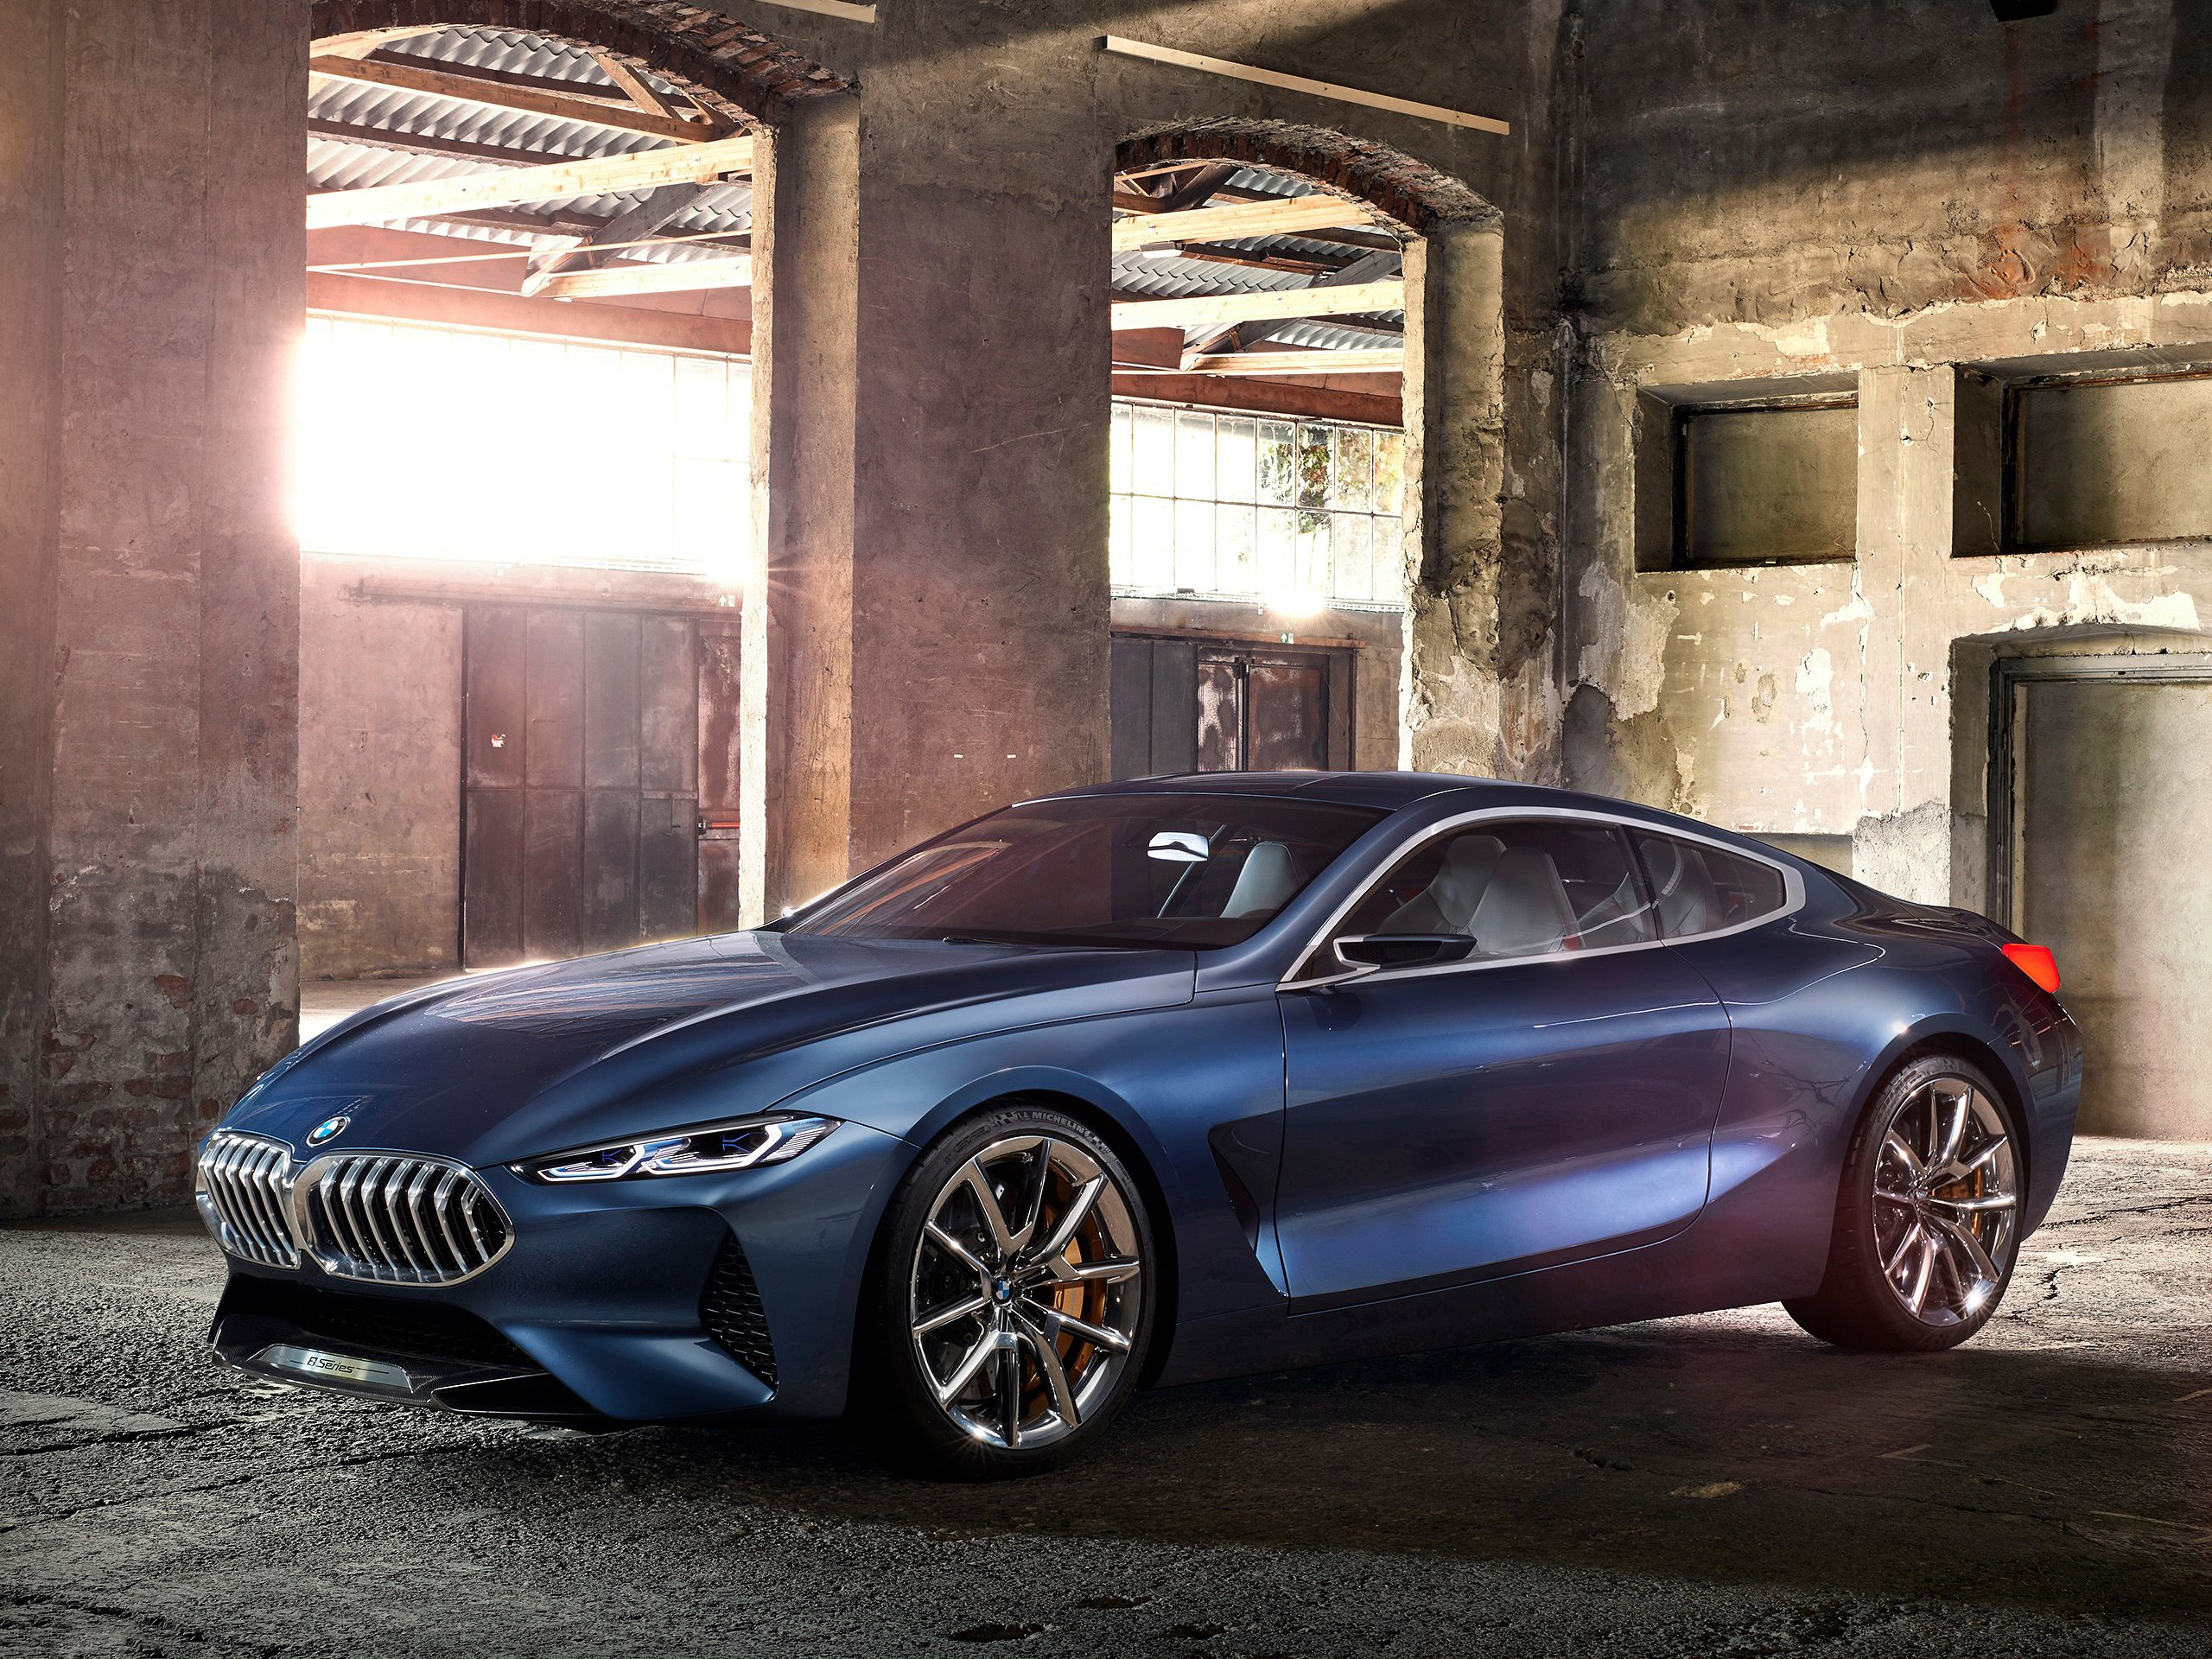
pixel 796 665
pixel 148 356
pixel 1907 424
pixel 1455 715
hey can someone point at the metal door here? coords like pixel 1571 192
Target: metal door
pixel 581 738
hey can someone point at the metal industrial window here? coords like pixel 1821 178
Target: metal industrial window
pixel 1297 514
pixel 461 444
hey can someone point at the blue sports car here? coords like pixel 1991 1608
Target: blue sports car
pixel 1150 1082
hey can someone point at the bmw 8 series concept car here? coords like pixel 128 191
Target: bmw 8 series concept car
pixel 1146 1084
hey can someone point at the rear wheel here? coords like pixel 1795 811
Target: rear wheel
pixel 1011 1303
pixel 1927 1223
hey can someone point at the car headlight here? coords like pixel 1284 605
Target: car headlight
pixel 743 1143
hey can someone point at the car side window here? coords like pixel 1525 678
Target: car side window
pixel 1700 889
pixel 1532 887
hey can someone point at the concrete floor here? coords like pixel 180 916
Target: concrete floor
pixel 1713 1485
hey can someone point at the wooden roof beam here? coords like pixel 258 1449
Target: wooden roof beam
pixel 1285 216
pixel 557 182
pixel 688 276
pixel 482 90
pixel 1218 310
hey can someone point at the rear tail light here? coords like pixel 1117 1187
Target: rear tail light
pixel 2035 961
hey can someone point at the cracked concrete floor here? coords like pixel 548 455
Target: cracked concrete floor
pixel 1721 1484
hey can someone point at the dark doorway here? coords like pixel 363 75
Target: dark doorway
pixel 583 814
pixel 1225 705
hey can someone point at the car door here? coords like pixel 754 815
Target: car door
pixel 1550 1097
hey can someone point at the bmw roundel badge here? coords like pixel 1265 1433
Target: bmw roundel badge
pixel 329 1129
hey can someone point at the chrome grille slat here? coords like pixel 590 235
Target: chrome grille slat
pixel 387 1217
pixel 243 1178
pixel 399 1219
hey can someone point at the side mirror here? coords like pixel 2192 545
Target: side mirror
pixel 1403 949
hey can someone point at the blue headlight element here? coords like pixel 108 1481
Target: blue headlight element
pixel 744 1143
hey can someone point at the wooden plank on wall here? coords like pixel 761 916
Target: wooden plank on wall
pixel 1129 707
pixel 553 700
pixel 1213 310
pixel 491 890
pixel 552 879
pixel 668 735
pixel 668 880
pixel 556 181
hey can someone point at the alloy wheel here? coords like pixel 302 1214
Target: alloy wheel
pixel 1946 1202
pixel 1025 1291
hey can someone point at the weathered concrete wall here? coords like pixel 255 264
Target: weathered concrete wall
pixel 1761 194
pixel 948 650
pixel 149 343
pixel 380 708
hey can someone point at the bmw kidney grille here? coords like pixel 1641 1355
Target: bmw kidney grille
pixel 386 1218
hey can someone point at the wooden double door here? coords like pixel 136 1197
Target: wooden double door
pixel 600 791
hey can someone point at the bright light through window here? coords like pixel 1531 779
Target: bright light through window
pixel 447 443
pixel 1296 514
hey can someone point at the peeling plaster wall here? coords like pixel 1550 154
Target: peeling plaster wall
pixel 1885 192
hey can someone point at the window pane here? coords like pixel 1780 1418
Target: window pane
pixel 1312 580
pixel 1355 469
pixel 1152 543
pixel 1194 545
pixel 1352 556
pixel 1389 472
pixel 1118 570
pixel 1193 456
pixel 1236 459
pixel 1313 465
pixel 1152 456
pixel 1117 450
pixel 1701 889
pixel 1236 548
pixel 1278 464
pixel 1534 888
pixel 1278 552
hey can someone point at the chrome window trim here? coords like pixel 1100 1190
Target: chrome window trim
pixel 1793 897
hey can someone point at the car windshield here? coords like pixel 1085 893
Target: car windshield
pixel 1193 871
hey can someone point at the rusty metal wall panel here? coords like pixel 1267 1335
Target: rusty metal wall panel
pixel 552 874
pixel 494 723
pixel 668 874
pixel 1129 708
pixel 491 866
pixel 1174 694
pixel 611 701
pixel 669 686
pixel 553 751
pixel 1218 703
pixel 720 894
pixel 1286 715
pixel 610 869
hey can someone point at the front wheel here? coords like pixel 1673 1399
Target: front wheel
pixel 1928 1223
pixel 1010 1304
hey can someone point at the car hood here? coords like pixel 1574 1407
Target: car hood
pixel 499 1066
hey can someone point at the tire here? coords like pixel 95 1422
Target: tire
pixel 1920 1258
pixel 965 1370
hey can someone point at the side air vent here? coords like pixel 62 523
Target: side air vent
pixel 730 1309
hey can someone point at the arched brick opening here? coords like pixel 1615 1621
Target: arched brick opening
pixel 739 71
pixel 1410 192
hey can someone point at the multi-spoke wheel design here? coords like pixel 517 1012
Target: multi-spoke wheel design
pixel 1025 1291
pixel 1946 1202
pixel 1929 1215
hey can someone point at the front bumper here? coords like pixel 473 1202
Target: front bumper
pixel 630 1300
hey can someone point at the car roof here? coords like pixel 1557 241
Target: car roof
pixel 1387 790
